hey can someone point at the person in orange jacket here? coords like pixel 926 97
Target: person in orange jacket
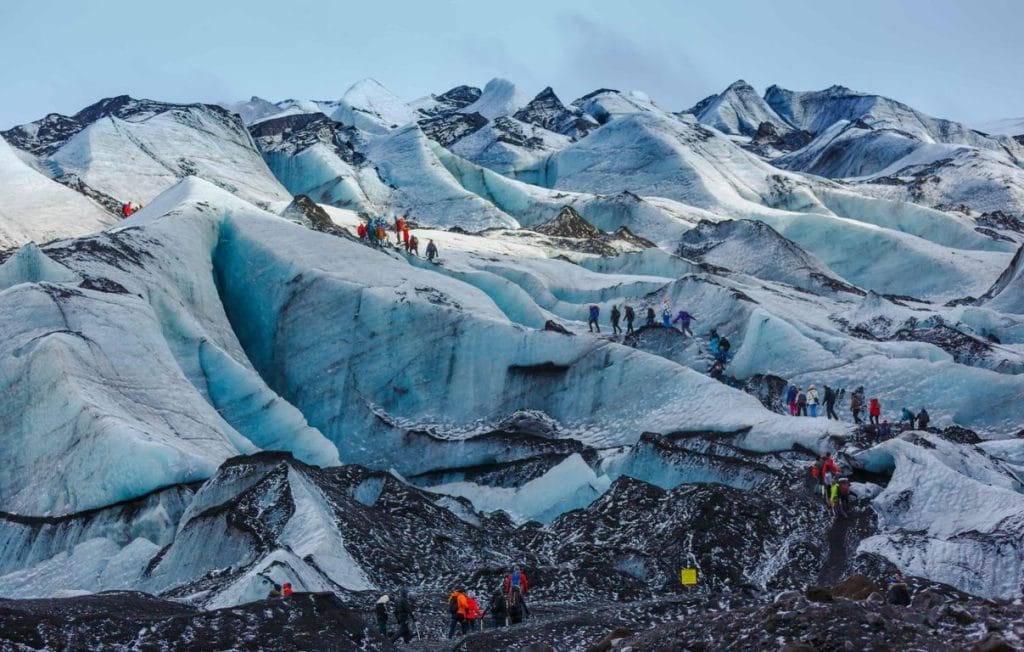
pixel 458 606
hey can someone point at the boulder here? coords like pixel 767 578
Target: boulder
pixel 818 594
pixel 992 643
pixel 855 587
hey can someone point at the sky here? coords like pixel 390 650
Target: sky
pixel 953 59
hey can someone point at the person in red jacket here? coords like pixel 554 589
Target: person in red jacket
pixel 361 231
pixel 517 580
pixel 399 227
pixel 473 613
pixel 286 589
pixel 874 410
pixel 516 587
pixel 828 466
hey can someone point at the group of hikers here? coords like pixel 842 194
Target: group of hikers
pixel 404 616
pixel 280 590
pixel 507 607
pixel 627 312
pixel 831 485
pixel 128 209
pixel 718 345
pixel 806 403
pixel 375 232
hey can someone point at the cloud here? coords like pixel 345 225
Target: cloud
pixel 598 55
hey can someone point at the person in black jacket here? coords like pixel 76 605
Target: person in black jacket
pixel 405 616
pixel 899 592
pixel 923 419
pixel 650 316
pixel 830 403
pixel 499 609
pixel 630 316
pixel 615 320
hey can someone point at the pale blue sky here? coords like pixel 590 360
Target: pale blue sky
pixel 955 59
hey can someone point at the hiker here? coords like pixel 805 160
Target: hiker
pixel 382 615
pixel 717 370
pixel 898 592
pixel 812 400
pixel 361 231
pixel 517 580
pixel 828 470
pixel 815 482
pixel 923 419
pixel 592 322
pixel 630 316
pixel 515 608
pixel 723 349
pixel 830 403
pixel 126 210
pixel 844 495
pixel 857 404
pixel 404 616
pixel 399 227
pixel 615 320
pixel 499 609
pixel 650 316
pixel 516 586
pixel 414 245
pixel 884 431
pixel 874 410
pixel 791 400
pixel 801 403
pixel 833 496
pixel 405 238
pixel 909 417
pixel 473 614
pixel 286 589
pixel 457 605
pixel 431 251
pixel 275 592
pixel 684 319
pixel 666 318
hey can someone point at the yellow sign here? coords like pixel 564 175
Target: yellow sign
pixel 688 576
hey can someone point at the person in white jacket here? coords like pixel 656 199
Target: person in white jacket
pixel 812 401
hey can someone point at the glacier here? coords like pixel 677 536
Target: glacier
pixel 229 390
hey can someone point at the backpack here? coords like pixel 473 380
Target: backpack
pixel 801 399
pixel 723 344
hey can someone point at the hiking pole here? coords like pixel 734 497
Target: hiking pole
pixel 417 624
